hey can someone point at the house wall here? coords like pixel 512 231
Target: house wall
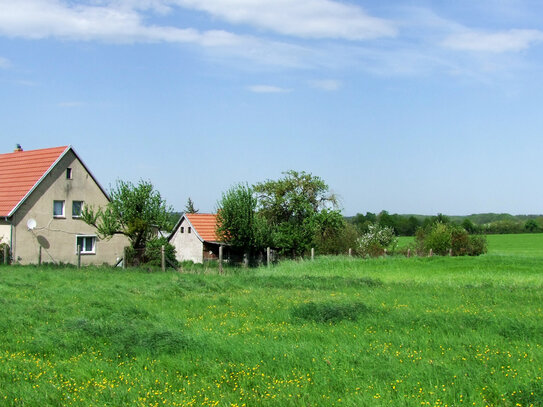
pixel 57 236
pixel 5 232
pixel 187 245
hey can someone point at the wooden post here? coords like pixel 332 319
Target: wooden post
pixel 220 259
pixel 312 253
pixel 268 256
pixel 78 256
pixel 385 252
pixel 124 258
pixel 408 253
pixel 6 251
pixel 350 252
pixel 163 258
pixel 431 253
pixel 39 256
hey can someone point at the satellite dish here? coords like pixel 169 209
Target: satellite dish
pixel 31 224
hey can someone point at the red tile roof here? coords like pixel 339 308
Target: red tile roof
pixel 20 171
pixel 205 225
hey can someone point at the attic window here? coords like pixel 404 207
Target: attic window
pixel 190 230
pixel 68 173
pixel 182 229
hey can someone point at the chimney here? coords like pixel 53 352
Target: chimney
pixel 18 148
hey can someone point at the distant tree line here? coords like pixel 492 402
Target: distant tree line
pixel 487 223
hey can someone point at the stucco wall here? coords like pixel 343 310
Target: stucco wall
pixel 187 245
pixel 5 232
pixel 57 236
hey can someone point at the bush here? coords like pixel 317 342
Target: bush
pixel 374 242
pixel 153 253
pixel 2 247
pixel 440 238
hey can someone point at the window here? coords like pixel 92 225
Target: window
pixel 182 229
pixel 190 230
pixel 68 173
pixel 58 209
pixel 77 208
pixel 87 243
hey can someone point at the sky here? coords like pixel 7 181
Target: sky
pixel 413 106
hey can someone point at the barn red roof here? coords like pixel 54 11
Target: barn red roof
pixel 205 225
pixel 20 171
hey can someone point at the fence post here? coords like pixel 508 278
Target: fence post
pixel 6 254
pixel 124 258
pixel 350 252
pixel 268 255
pixel 450 252
pixel 385 252
pixel 312 253
pixel 220 258
pixel 78 256
pixel 39 256
pixel 163 258
pixel 408 253
pixel 431 253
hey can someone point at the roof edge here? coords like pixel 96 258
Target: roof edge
pixel 39 181
pixel 191 225
pixel 60 157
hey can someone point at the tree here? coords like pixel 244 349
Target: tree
pixel 136 211
pixel 189 208
pixel 289 206
pixel 237 221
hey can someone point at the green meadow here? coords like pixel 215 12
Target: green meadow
pixel 338 331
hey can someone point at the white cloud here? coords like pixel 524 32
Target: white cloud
pixel 498 42
pixel 268 89
pixel 300 18
pixel 326 84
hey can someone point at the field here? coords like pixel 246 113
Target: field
pixel 336 331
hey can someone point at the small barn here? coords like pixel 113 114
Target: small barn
pixel 194 237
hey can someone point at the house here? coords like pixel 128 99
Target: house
pixel 42 195
pixel 195 238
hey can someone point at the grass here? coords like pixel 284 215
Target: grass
pixel 337 331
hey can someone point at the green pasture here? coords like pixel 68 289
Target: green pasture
pixel 333 332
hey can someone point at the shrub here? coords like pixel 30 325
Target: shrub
pixel 153 253
pixel 440 238
pixel 2 248
pixel 374 242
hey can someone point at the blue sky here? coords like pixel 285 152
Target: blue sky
pixel 413 106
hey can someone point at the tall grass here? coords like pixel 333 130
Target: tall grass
pixel 336 331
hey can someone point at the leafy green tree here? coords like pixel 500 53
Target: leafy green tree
pixel 332 234
pixel 136 211
pixel 531 226
pixel 237 221
pixel 289 206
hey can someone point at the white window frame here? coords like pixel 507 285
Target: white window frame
pixel 83 251
pixel 82 206
pixel 63 215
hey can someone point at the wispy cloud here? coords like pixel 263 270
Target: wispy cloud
pixel 326 84
pixel 300 18
pixel 496 42
pixel 268 89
